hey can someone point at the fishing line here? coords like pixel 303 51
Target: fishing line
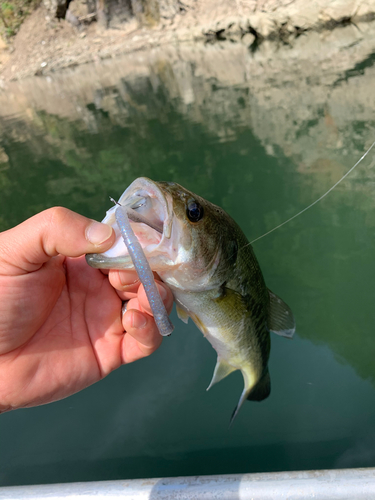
pixel 316 201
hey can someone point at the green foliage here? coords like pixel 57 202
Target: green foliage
pixel 12 15
pixel 7 7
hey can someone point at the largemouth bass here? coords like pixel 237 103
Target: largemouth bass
pixel 208 263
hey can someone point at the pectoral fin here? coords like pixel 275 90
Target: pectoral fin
pixel 281 320
pixel 222 369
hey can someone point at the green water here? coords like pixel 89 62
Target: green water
pixel 154 417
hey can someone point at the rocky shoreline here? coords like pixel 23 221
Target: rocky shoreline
pixel 45 45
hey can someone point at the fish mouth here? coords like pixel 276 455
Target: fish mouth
pixel 150 213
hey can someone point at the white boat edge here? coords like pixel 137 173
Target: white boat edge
pixel 353 484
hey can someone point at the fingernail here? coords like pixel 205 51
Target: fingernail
pixel 138 320
pixel 124 279
pixel 97 233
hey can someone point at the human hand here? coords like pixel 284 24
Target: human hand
pixel 61 328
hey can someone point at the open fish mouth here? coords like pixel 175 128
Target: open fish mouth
pixel 150 213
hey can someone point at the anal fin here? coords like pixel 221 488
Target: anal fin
pixel 222 370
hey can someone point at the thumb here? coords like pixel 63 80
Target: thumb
pixel 26 247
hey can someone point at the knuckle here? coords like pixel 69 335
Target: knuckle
pixel 56 215
pixel 53 218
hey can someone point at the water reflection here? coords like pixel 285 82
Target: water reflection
pixel 263 136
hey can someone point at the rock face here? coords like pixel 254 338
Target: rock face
pixel 262 18
pixel 293 16
pixel 113 12
pixel 145 24
pixel 110 13
pixel 57 7
pixel 150 12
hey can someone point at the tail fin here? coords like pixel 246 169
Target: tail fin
pixel 262 389
pixel 257 393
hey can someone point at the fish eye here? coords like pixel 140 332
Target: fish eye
pixel 194 211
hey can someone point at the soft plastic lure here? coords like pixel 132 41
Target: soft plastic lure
pixel 144 272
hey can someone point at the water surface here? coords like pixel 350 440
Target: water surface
pixel 211 128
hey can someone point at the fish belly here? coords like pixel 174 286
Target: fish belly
pixel 227 324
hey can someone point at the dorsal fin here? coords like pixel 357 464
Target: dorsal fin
pixel 281 320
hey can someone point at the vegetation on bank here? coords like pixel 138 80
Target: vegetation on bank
pixel 13 13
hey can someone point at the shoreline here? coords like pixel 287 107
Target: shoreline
pixel 44 45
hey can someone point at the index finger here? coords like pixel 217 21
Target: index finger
pixel 26 247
